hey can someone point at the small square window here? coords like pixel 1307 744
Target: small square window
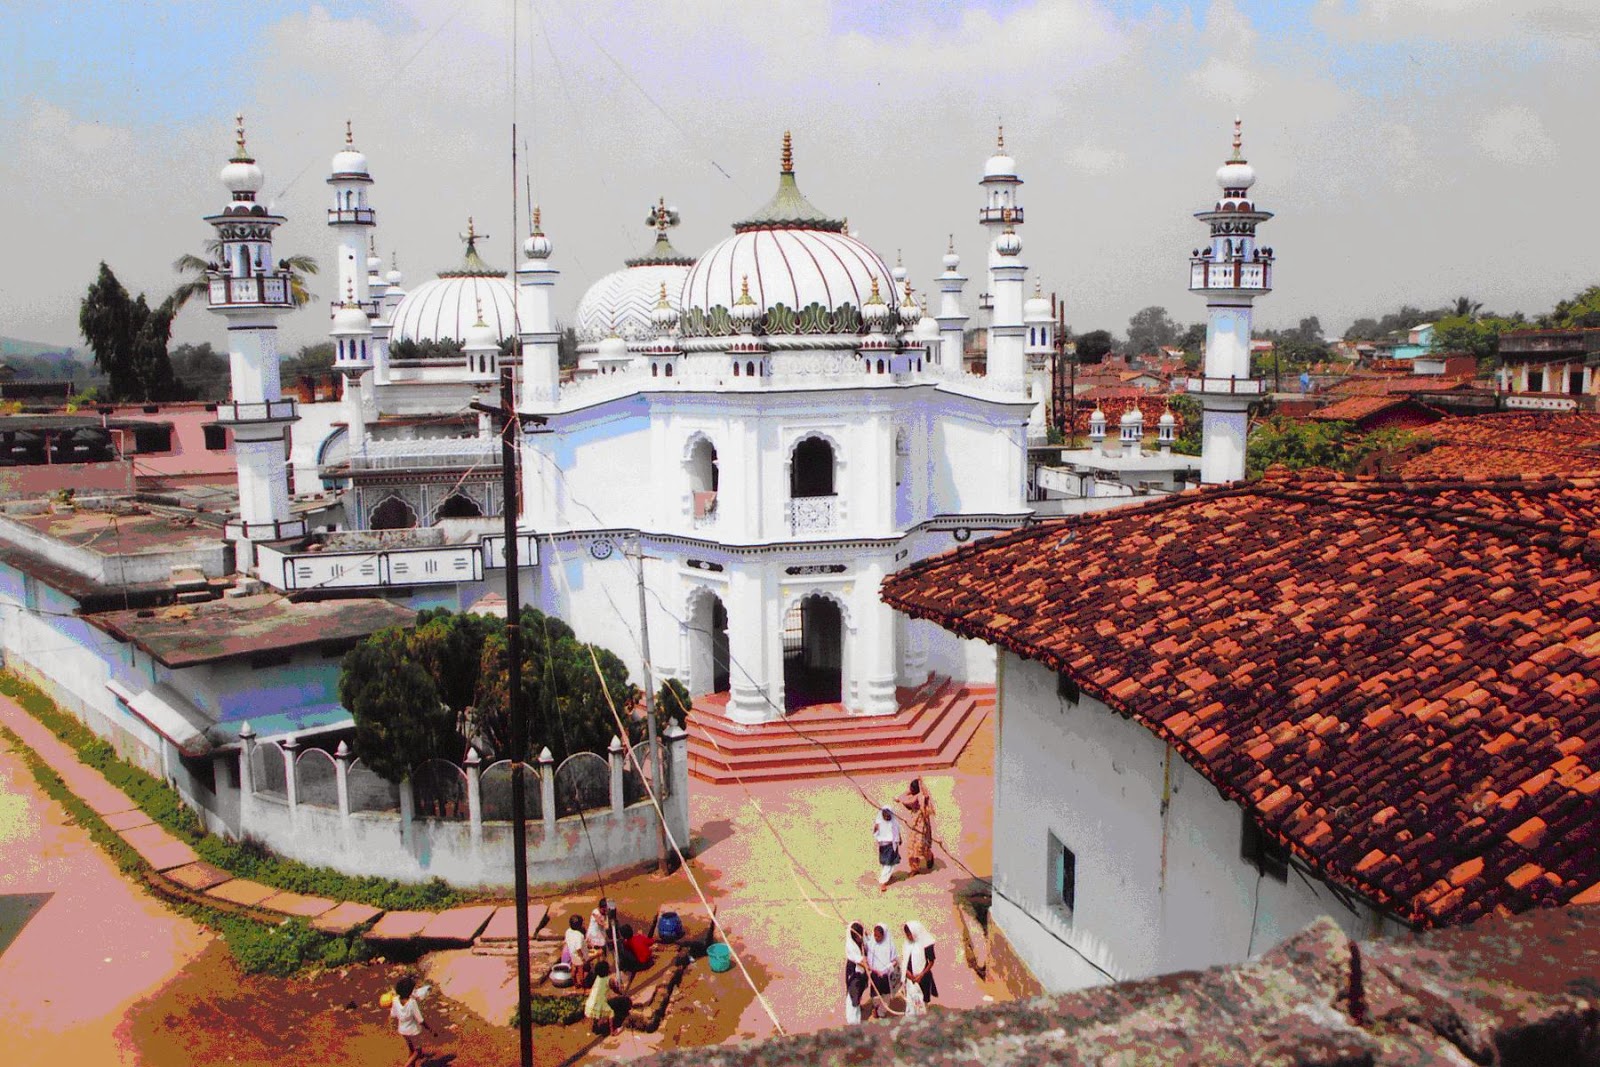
pixel 1062 891
pixel 1262 851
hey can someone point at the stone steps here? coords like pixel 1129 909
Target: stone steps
pixel 929 732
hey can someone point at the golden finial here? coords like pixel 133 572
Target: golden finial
pixel 349 293
pixel 349 136
pixel 1000 140
pixel 788 154
pixel 239 131
pixel 744 291
pixel 536 219
pixel 908 291
pixel 874 297
pixel 479 301
pixel 663 302
pixel 1238 140
pixel 472 232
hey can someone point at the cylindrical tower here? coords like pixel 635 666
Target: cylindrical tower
pixel 1039 319
pixel 352 220
pixel 952 320
pixel 250 289
pixel 1000 216
pixel 1230 273
pixel 541 354
pixel 352 357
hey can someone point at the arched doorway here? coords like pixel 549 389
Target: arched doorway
pixel 708 646
pixel 458 506
pixel 811 473
pixel 813 653
pixel 703 472
pixel 392 514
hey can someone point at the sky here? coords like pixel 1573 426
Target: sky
pixel 1413 150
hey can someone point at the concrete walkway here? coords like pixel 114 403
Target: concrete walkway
pixel 176 861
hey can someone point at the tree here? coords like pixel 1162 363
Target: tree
pixel 567 348
pixel 1467 308
pixel 200 372
pixel 310 359
pixel 1310 330
pixel 1193 342
pixel 129 339
pixel 1579 312
pixel 400 719
pixel 408 349
pixel 1296 445
pixel 199 270
pixel 1150 330
pixel 1191 422
pixel 673 700
pixel 1094 346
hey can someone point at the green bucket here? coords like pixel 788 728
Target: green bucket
pixel 720 957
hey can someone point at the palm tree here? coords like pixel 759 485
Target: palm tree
pixel 1467 308
pixel 198 270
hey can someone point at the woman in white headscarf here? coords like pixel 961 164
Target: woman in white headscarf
pixel 916 964
pixel 886 832
pixel 882 959
pixel 855 971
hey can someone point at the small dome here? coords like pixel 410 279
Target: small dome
pixel 624 302
pixel 394 278
pixel 374 265
pixel 243 176
pixel 745 311
pixel 664 316
pixel 349 162
pixel 349 319
pixel 1132 417
pixel 1097 415
pixel 612 348
pixel 1037 308
pixel 951 260
pixel 480 337
pixel 910 311
pixel 537 246
pixel 1008 243
pixel 874 312
pixel 898 273
pixel 1000 166
pixel 1167 419
pixel 1236 174
pixel 927 330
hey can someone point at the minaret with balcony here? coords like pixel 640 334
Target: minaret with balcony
pixel 952 320
pixel 250 289
pixel 352 220
pixel 537 333
pixel 352 358
pixel 1039 317
pixel 1000 216
pixel 1230 273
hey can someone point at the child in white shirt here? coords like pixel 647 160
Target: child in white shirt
pixel 408 1020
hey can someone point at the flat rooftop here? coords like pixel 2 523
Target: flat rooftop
pixel 187 635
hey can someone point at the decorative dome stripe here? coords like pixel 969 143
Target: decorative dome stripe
pixel 444 308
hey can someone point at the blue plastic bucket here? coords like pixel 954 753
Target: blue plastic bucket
pixel 669 927
pixel 720 956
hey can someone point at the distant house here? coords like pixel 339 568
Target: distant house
pixel 1369 413
pixel 1551 369
pixel 1229 711
pixel 1407 344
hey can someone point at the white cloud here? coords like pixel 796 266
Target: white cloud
pixel 1461 21
pixel 1514 136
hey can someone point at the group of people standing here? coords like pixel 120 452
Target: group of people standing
pixel 605 955
pixel 875 969
pixel 917 840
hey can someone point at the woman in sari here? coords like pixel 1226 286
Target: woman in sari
pixel 916 964
pixel 855 971
pixel 919 848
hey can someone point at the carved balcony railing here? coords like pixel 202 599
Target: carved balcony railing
pixel 812 515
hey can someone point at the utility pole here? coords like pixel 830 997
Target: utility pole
pixel 650 716
pixel 510 438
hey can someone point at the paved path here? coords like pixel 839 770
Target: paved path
pixel 97 945
pixel 787 915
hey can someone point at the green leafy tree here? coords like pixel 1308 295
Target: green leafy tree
pixel 407 349
pixel 1150 330
pixel 1472 335
pixel 400 719
pixel 201 372
pixel 567 348
pixel 129 339
pixel 310 359
pixel 673 700
pixel 1094 346
pixel 1578 312
pixel 1193 343
pixel 1296 445
pixel 1191 424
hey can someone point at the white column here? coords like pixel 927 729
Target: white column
pixel 873 657
pixel 755 696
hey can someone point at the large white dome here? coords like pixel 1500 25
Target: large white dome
pixel 623 302
pixel 447 307
pixel 806 274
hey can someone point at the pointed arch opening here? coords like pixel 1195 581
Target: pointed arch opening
pixel 813 652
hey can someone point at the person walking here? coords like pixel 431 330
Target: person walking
pixel 408 1020
pixel 919 845
pixel 886 833
pixel 574 951
pixel 882 960
pixel 855 971
pixel 917 966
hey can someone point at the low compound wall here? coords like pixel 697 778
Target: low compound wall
pixel 341 829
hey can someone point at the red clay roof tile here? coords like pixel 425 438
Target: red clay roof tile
pixel 1439 633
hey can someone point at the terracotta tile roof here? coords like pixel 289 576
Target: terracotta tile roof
pixel 1387 385
pixel 1356 408
pixel 1395 676
pixel 1509 443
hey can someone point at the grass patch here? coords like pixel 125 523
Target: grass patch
pixel 279 951
pixel 552 1010
pixel 246 859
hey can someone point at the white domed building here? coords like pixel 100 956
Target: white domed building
pixel 620 305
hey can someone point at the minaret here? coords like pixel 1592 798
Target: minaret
pixel 1000 215
pixel 541 353
pixel 250 289
pixel 481 349
pixel 952 320
pixel 1231 272
pixel 352 357
pixel 1039 317
pixel 352 221
pixel 393 292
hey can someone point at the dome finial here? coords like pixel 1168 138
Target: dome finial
pixel 744 290
pixel 536 218
pixel 240 155
pixel 479 301
pixel 1000 140
pixel 349 135
pixel 874 297
pixel 350 293
pixel 788 154
pixel 952 247
pixel 1238 141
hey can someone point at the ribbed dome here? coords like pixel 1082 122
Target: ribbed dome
pixel 624 300
pixel 445 308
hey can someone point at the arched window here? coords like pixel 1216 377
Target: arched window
pixel 458 506
pixel 750 369
pixel 880 366
pixel 392 514
pixel 655 370
pixel 811 471
pixel 669 370
pixel 736 368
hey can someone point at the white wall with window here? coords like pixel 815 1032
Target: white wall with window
pixel 1113 856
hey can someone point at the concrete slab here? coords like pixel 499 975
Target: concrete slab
pixel 198 876
pixel 160 849
pixel 458 925
pixel 503 924
pixel 241 891
pixel 306 907
pixel 400 926
pixel 345 917
pixel 127 820
pixel 102 797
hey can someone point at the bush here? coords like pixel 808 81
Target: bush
pixel 548 1010
pixel 278 951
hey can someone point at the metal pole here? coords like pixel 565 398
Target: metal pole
pixel 650 718
pixel 510 432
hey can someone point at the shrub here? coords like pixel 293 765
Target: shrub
pixel 552 1010
pixel 278 951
